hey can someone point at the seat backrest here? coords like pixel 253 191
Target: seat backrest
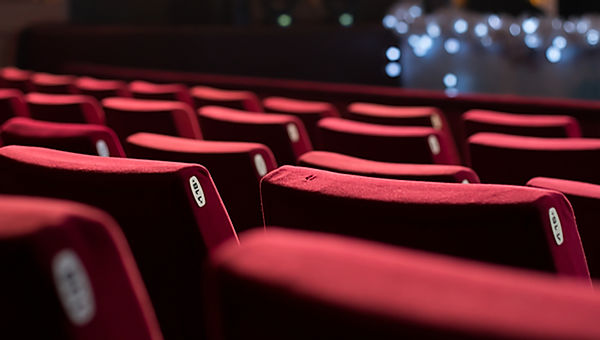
pixel 398 144
pixel 101 88
pixel 14 78
pixel 500 158
pixel 520 124
pixel 234 99
pixel 12 104
pixel 295 285
pixel 64 108
pixel 89 139
pixel 170 213
pixel 53 83
pixel 517 226
pixel 169 92
pixel 397 115
pixel 309 112
pixel 585 199
pixel 341 163
pixel 128 115
pixel 283 134
pixel 69 274
pixel 236 168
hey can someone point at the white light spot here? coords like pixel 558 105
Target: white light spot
pixel 559 42
pixel 393 53
pixel 423 45
pixel 413 40
pixel 284 20
pixel 293 132
pixel 556 23
pixel 569 27
pixel 592 37
pixel 530 25
pixel 532 41
pixel 495 22
pixel 389 21
pixel 451 92
pixel 481 30
pixel 393 69
pixel 415 11
pixel 461 26
pixel 553 54
pixel 433 30
pixel 434 144
pixel 486 41
pixel 583 26
pixel 346 19
pixel 452 46
pixel 450 80
pixel 102 148
pixel 514 29
pixel 260 164
pixel 401 27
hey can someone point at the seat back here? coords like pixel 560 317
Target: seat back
pixel 101 88
pixel 14 78
pixel 52 83
pixel 168 92
pixel 12 104
pixel 65 108
pixel 234 99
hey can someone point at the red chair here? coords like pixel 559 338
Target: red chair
pixel 169 92
pixel 12 104
pixel 520 124
pixel 53 83
pixel 239 100
pixel 170 213
pixel 65 108
pixel 299 285
pixel 236 168
pixel 396 144
pixel 310 112
pixel 69 274
pixel 101 88
pixel 337 162
pixel 516 226
pixel 128 115
pixel 14 78
pixel 499 158
pixel 283 134
pixel 81 138
pixel 585 199
pixel 397 115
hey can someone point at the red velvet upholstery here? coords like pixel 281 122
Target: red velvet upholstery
pixel 81 138
pixel 171 92
pixel 499 158
pixel 12 104
pixel 396 115
pixel 101 88
pixel 357 166
pixel 585 199
pixel 236 168
pixel 310 112
pixel 171 214
pixel 68 274
pixel 299 285
pixel 14 78
pixel 128 115
pixel 52 83
pixel 239 100
pixel 376 142
pixel 520 124
pixel 495 223
pixel 283 134
pixel 65 108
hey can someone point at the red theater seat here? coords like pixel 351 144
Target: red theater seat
pixel 397 115
pixel 64 108
pixel 396 144
pixel 128 115
pixel 357 166
pixel 236 168
pixel 81 138
pixel 499 158
pixel 585 199
pixel 171 92
pixel 517 226
pixel 53 83
pixel 14 78
pixel 101 88
pixel 299 285
pixel 171 214
pixel 68 274
pixel 520 124
pixel 283 134
pixel 239 100
pixel 310 112
pixel 12 104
